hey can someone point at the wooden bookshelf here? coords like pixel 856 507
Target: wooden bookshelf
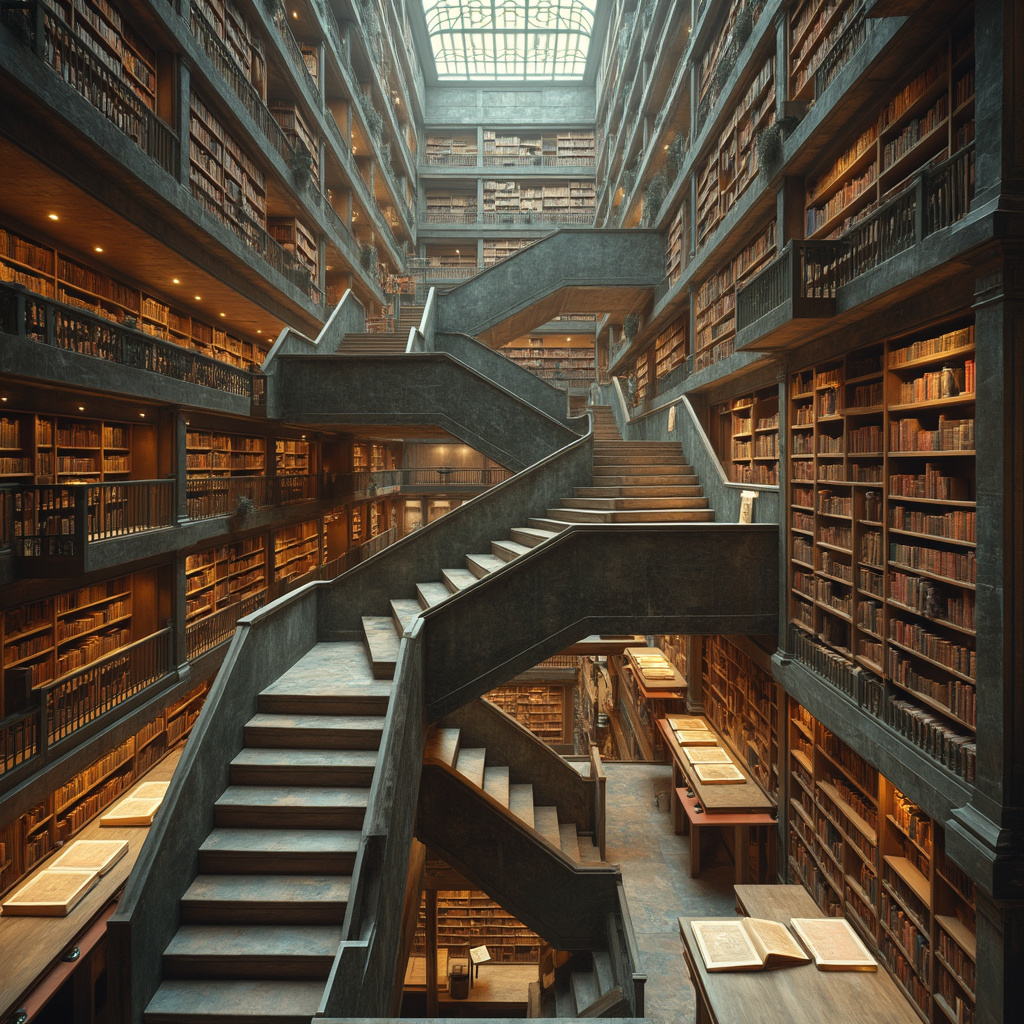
pixel 544 708
pixel 882 530
pixel 501 248
pixel 552 200
pixel 297 550
pixel 745 433
pixel 451 150
pixel 291 234
pixel 929 117
pixel 296 127
pixel 563 148
pixel 214 456
pixel 59 275
pixel 676 257
pixel 294 456
pixel 29 838
pixel 562 365
pixel 466 917
pixel 458 206
pixel 244 43
pixel 740 699
pixel 671 346
pixel 715 299
pixel 814 28
pixel 223 576
pixel 866 851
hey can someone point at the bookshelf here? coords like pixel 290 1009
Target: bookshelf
pixel 563 148
pixel 930 117
pixel 500 249
pixel 882 529
pixel 575 198
pixel 866 851
pixel 814 28
pixel 297 129
pixel 244 44
pixel 678 246
pixel 214 457
pixel 222 576
pixel 466 917
pixel 457 206
pixel 297 550
pixel 741 701
pixel 671 346
pixel 77 799
pixel 714 300
pixel 55 274
pixel 544 708
pixel 294 456
pixel 456 150
pixel 746 436
pixel 291 234
pixel 565 366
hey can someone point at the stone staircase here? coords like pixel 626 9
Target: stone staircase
pixel 585 986
pixel 444 748
pixel 261 923
pixel 376 343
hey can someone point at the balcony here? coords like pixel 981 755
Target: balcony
pixel 799 289
pixel 31 317
pixel 521 218
pixel 434 479
pixel 207 497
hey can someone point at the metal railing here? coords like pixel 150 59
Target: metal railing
pixel 949 191
pixel 58 46
pixel 450 160
pixel 19 738
pixel 27 315
pixel 890 230
pixel 52 520
pixel 540 160
pixel 206 633
pixel 209 496
pixel 444 476
pixel 441 275
pixel 489 217
pixel 78 697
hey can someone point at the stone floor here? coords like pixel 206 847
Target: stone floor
pixel 656 878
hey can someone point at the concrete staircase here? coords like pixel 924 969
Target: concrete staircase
pixel 376 343
pixel 583 987
pixel 444 748
pixel 261 923
pixel 409 316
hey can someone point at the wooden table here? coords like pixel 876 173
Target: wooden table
pixel 740 806
pixel 790 995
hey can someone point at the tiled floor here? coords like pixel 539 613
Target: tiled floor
pixel 656 878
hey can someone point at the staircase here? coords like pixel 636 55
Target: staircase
pixel 377 343
pixel 444 748
pixel 261 923
pixel 583 987
pixel 409 316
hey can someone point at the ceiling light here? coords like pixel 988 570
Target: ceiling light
pixel 222 314
pixel 199 298
pixel 81 408
pixel 259 332
pixel 53 216
pixel 295 14
pixel 3 398
pixel 142 415
pixel 98 248
pixel 175 280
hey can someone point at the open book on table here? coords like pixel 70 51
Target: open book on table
pixel 746 944
pixel 834 944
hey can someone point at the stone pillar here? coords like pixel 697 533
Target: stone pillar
pixel 184 117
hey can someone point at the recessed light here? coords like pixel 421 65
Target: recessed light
pixel 175 280
pixel 81 408
pixel 259 332
pixel 199 298
pixel 295 14
pixel 222 314
pixel 98 248
pixel 53 216
pixel 142 415
pixel 3 398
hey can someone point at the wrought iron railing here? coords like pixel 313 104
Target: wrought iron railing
pixel 206 633
pixel 19 738
pixel 28 315
pixel 441 275
pixel 209 496
pixel 51 520
pixel 949 191
pixel 84 694
pixel 58 46
pixel 433 476
pixel 888 231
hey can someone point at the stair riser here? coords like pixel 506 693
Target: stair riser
pixel 237 862
pixel 288 817
pixel 343 705
pixel 622 504
pixel 323 912
pixel 663 516
pixel 638 491
pixel 530 540
pixel 641 480
pixel 318 739
pixel 298 775
pixel 184 967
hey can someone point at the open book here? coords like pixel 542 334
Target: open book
pixel 834 944
pixel 746 944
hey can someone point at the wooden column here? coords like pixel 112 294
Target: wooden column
pixel 430 968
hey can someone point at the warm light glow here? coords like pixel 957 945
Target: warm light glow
pixel 3 398
pixel 198 298
pixel 142 415
pixel 53 216
pixel 222 314
pixel 81 408
pixel 295 14
pixel 175 280
pixel 259 332
pixel 98 248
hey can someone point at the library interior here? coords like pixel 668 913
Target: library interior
pixel 329 331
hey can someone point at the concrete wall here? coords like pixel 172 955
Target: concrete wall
pixel 519 106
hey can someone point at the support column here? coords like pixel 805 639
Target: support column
pixel 184 105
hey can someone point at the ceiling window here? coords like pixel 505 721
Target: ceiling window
pixel 510 40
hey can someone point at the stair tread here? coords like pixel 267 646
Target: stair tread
pixel 255 941
pixel 552 526
pixel 442 745
pixel 643 503
pixel 382 644
pixel 341 723
pixel 325 661
pixel 281 840
pixel 308 757
pixel 545 821
pixel 496 783
pixel 403 611
pixel 482 564
pixel 531 536
pixel 233 1001
pixel 432 593
pixel 470 764
pixel 520 801
pixel 264 889
pixel 295 797
pixel 632 515
pixel 604 970
pixel 589 853
pixel 568 840
pixel 511 548
pixel 458 579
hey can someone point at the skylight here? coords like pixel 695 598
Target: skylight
pixel 510 40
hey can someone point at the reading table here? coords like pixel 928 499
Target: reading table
pixel 790 995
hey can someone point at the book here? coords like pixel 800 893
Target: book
pixel 695 738
pixel 717 774
pixel 91 855
pixel 746 944
pixel 707 755
pixel 686 723
pixel 138 808
pixel 51 893
pixel 834 944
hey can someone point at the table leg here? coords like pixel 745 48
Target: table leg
pixel 742 854
pixel 694 850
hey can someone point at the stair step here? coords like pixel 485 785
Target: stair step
pixel 470 764
pixel 442 745
pixel 507 550
pixel 551 526
pixel 232 1002
pixel 282 766
pixel 243 851
pixel 382 643
pixel 496 783
pixel 626 479
pixel 330 732
pixel 639 491
pixel 265 899
pixel 666 515
pixel 481 565
pixel 332 694
pixel 644 503
pixel 430 594
pixel 457 579
pixel 520 802
pixel 588 852
pixel 563 999
pixel 545 821
pixel 289 807
pixel 585 990
pixel 531 536
pixel 640 459
pixel 604 970
pixel 568 840
pixel 252 951
pixel 403 611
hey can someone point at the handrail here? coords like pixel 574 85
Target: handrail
pixel 632 951
pixel 600 793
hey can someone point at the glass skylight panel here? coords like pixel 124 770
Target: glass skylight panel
pixel 505 40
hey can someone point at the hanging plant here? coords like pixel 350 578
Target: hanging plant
pixel 374 122
pixel 245 508
pixel 630 326
pixel 676 154
pixel 368 257
pixel 654 195
pixel 743 27
pixel 302 164
pixel 769 143
pixel 629 178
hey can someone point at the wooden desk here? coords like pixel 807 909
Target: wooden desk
pixel 697 819
pixel 790 995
